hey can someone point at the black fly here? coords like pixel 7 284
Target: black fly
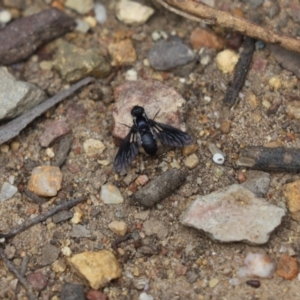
pixel 144 132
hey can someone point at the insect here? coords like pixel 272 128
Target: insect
pixel 144 132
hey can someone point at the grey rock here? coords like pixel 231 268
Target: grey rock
pixel 257 182
pixel 152 227
pixel 80 231
pixel 62 216
pixel 254 3
pixel 191 276
pixel 74 63
pixel 234 214
pixel 49 255
pixel 71 291
pixel 168 54
pixel 16 97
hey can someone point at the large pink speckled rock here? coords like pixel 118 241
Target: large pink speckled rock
pixel 154 96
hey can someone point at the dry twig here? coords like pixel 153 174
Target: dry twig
pixel 13 128
pixel 21 279
pixel 42 217
pixel 200 12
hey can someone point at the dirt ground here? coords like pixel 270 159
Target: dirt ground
pixel 205 259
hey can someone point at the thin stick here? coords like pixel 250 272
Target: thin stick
pixel 42 217
pixel 240 72
pixel 224 19
pixel 13 128
pixel 21 279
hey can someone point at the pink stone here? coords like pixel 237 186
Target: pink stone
pixel 259 64
pixel 52 131
pixel 37 280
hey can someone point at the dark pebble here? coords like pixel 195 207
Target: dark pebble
pixel 96 211
pixel 191 276
pixel 63 150
pixel 21 38
pixel 49 255
pixel 253 283
pixel 37 280
pixel 72 291
pixel 62 216
pixel 168 54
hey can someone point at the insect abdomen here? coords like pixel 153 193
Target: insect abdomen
pixel 149 143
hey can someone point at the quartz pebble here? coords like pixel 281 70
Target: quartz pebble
pixel 81 6
pixel 110 194
pixel 7 191
pixel 133 13
pixel 100 13
pixel 257 182
pixel 118 227
pixel 131 75
pixel 145 296
pixel 93 147
pixel 82 26
pixel 45 181
pixel 226 61
pixel 5 16
pixel 257 264
pixel 97 268
pixel 191 161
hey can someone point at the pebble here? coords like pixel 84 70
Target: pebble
pixel 49 254
pixel 7 191
pixel 226 61
pixel 74 63
pixel 122 53
pixel 291 192
pixel 253 283
pixel 142 180
pixel 77 217
pixel 46 65
pixel 91 21
pixel 225 126
pixel 52 131
pixel 5 16
pixel 168 54
pixel 80 231
pixel 190 149
pixel 62 216
pixel 37 280
pixel 93 147
pixel 157 97
pixel 154 227
pixel 293 109
pixel 133 13
pixel 66 251
pixel 110 194
pixel 82 26
pixel 287 267
pixel 71 291
pixel 205 38
pixel 275 83
pixel 234 214
pixel 191 161
pixel 257 182
pixel 59 266
pixel 45 181
pixel 145 296
pixel 118 227
pixel 80 6
pixel 131 75
pixel 17 97
pixel 96 295
pixel 100 13
pixel 98 268
pixel 142 215
pixel 213 282
pixel 258 265
pixel 259 64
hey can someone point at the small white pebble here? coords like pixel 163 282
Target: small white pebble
pixel 145 296
pixel 11 179
pixel 100 13
pixel 182 80
pixel 82 26
pixel 131 75
pixel 5 16
pixel 146 62
pixel 156 35
pixel 66 251
pixel 50 152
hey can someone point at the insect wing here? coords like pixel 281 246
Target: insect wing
pixel 170 135
pixel 127 151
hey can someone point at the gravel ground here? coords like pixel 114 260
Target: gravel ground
pixel 183 262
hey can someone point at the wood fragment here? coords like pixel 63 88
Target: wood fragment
pixel 160 187
pixel 20 38
pixel 42 217
pixel 63 150
pixel 200 12
pixel 34 197
pixel 271 159
pixel 13 128
pixel 21 279
pixel 119 240
pixel 240 72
